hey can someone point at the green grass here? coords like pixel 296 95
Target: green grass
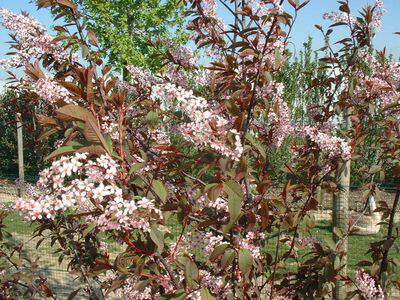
pixel 358 244
pixel 16 224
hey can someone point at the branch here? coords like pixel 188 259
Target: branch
pixel 384 263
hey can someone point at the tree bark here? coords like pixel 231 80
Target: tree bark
pixel 21 171
pixel 340 220
pixel 340 217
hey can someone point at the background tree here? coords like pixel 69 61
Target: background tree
pixel 124 28
pixel 34 151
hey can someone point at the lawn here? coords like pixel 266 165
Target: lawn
pixel 358 244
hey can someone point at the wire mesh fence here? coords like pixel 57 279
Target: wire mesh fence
pixel 56 272
pixel 62 281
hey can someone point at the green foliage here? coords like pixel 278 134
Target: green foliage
pixel 125 27
pixel 297 75
pixel 34 152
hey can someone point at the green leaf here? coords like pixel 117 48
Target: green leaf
pixel 108 144
pixel 91 130
pixel 160 190
pixel 374 169
pixel 245 261
pixel 64 150
pixel 268 76
pixel 89 228
pixel 338 232
pixel 330 243
pixel 257 145
pixel 233 189
pixel 219 250
pixel 227 258
pixel 235 197
pixel 205 294
pixel 157 237
pixel 136 167
pixel 152 117
pixel 191 272
pixel 122 262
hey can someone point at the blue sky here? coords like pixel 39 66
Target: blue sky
pixel 308 17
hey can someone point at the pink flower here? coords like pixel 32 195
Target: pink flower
pixel 367 286
pixel 32 39
pixel 52 92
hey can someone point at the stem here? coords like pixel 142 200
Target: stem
pixel 95 291
pixel 275 265
pixel 234 264
pixel 384 263
pixel 175 283
pixel 252 100
pixel 121 146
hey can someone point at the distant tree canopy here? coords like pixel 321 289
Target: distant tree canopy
pixel 124 28
pixel 34 152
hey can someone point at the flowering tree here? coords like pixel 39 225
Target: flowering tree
pixel 174 166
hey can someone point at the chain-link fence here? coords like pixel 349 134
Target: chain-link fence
pixel 56 272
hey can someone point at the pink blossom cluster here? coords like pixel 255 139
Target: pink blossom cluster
pixel 262 8
pixel 203 120
pixel 339 17
pixel 121 214
pixel 367 286
pixel 53 93
pixel 282 127
pixel 57 188
pixel 87 185
pixel 181 55
pixel 178 76
pixel 207 241
pixel 280 121
pixel 186 79
pixel 302 242
pixel 249 242
pixel 43 203
pixel 210 8
pixel 219 205
pixel 332 145
pixel 32 39
pixel 130 291
pixel 209 25
pixel 110 127
pixel 215 284
pixel 160 136
pixel 202 77
pixel 381 84
pixel 342 17
pixel 142 78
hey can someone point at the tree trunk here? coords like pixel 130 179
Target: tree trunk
pixel 21 172
pixel 340 217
